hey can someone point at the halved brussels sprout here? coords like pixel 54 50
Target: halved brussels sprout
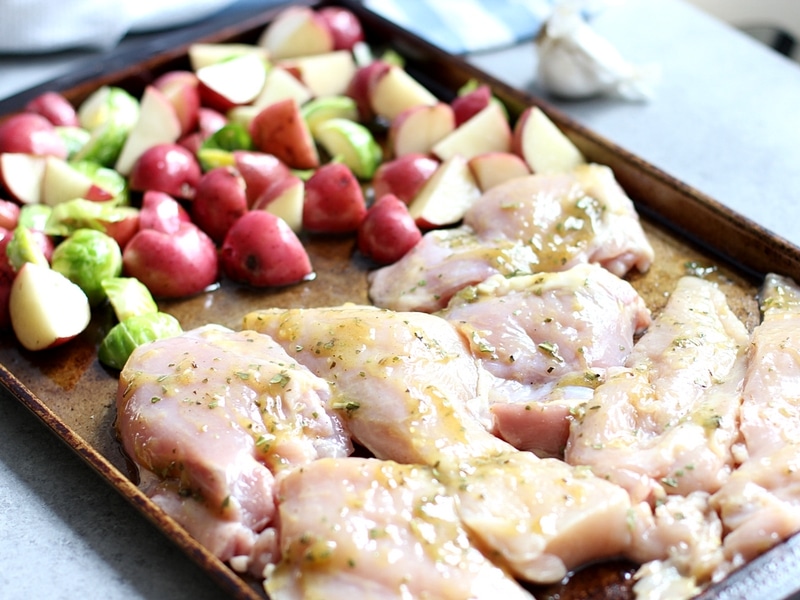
pixel 86 258
pixel 127 335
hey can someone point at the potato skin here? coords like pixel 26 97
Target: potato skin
pixel 261 250
pixel 388 231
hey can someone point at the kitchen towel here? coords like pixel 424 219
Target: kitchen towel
pixel 465 26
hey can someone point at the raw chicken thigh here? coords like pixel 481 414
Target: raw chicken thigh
pixel 210 417
pixel 548 339
pixel 367 528
pixel 409 388
pixel 760 503
pixel 528 225
pixel 409 380
pixel 667 422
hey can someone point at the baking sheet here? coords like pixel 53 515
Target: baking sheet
pixel 74 395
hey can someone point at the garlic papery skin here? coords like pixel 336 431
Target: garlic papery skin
pixel 574 61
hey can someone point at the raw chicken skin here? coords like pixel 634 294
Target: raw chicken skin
pixel 531 224
pixel 408 386
pixel 366 528
pixel 209 416
pixel 542 518
pixel 667 422
pixel 408 379
pixel 771 405
pixel 760 503
pixel 548 338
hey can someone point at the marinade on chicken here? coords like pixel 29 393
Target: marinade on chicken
pixel 369 528
pixel 760 503
pixel 666 423
pixel 409 380
pixel 210 417
pixel 548 340
pixel 531 224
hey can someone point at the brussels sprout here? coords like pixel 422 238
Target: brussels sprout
pixel 211 158
pixel 105 104
pixel 106 178
pixel 127 335
pixel 24 247
pixel 129 297
pixel 232 136
pixel 68 217
pixel 74 138
pixel 108 114
pixel 34 216
pixel 88 257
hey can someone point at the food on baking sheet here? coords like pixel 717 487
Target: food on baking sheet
pixel 335 508
pixel 527 225
pixel 209 417
pixel 412 390
pixel 759 503
pixel 246 438
pixel 666 423
pixel 413 386
pixel 548 339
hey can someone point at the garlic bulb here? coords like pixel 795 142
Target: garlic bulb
pixel 576 62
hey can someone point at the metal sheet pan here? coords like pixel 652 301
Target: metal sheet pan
pixel 73 395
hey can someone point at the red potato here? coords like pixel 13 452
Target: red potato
pixel 156 124
pixel 285 199
pixel 343 25
pixel 388 231
pixel 283 81
pixel 334 201
pixel 46 308
pixel 261 250
pixel 418 129
pixel 182 90
pixel 280 129
pixel 359 87
pixel 542 145
pixel 394 90
pixel 9 216
pixel 168 168
pixel 122 230
pixel 326 74
pixel 470 104
pixel 487 131
pixel 31 133
pixel 172 265
pixel 297 31
pixel 209 121
pixel 259 170
pixel 55 108
pixel 493 168
pixel 404 176
pixel 233 82
pixel 192 141
pixel 446 196
pixel 161 212
pixel 21 175
pixel 220 200
pixel 62 183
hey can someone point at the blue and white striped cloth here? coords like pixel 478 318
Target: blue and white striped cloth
pixel 464 26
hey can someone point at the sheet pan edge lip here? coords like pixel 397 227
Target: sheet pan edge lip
pixel 217 570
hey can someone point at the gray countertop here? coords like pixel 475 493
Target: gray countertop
pixel 725 120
